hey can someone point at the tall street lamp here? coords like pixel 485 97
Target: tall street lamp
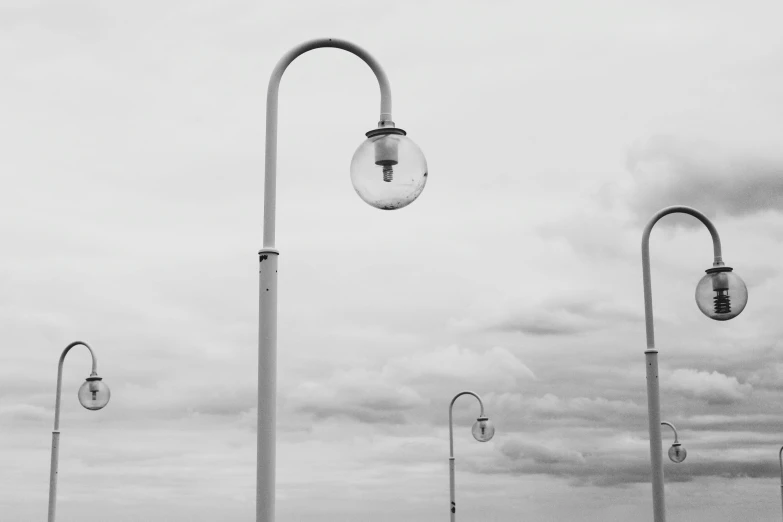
pixel 93 395
pixel 676 453
pixel 388 171
pixel 483 430
pixel 720 295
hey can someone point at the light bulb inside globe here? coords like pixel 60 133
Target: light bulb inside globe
pixel 387 155
pixel 483 429
pixel 94 394
pixel 721 294
pixel 677 453
pixel 388 170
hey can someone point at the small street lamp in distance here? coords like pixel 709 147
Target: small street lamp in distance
pixel 93 395
pixel 780 459
pixel 483 430
pixel 677 452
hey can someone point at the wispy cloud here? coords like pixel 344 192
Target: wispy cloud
pixel 565 317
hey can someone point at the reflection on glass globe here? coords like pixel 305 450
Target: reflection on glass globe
pixel 483 429
pixel 721 294
pixel 94 394
pixel 388 170
pixel 677 453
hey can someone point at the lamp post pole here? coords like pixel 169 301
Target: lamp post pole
pixel 651 354
pixel 267 310
pixel 53 470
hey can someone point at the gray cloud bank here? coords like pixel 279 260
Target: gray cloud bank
pixel 610 467
pixel 668 171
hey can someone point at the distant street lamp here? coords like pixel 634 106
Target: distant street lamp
pixel 388 171
pixel 93 395
pixel 780 458
pixel 676 453
pixel 483 430
pixel 720 295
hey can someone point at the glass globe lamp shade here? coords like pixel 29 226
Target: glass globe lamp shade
pixel 677 453
pixel 94 394
pixel 721 294
pixel 483 429
pixel 388 170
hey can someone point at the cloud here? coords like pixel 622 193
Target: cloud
pixel 758 422
pixel 599 408
pixel 497 365
pixel 565 317
pixel 25 412
pixel 408 385
pixel 359 394
pixel 715 387
pixel 539 453
pixel 620 460
pixel 594 230
pixel 669 171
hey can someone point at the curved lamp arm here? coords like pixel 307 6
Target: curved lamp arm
pixel 451 426
pixel 648 310
pixel 60 377
pixel 673 429
pixel 270 180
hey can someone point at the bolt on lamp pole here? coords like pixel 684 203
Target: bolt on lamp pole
pixel 483 430
pixel 93 395
pixel 724 283
pixel 388 171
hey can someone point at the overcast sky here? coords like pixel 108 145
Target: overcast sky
pixel 130 216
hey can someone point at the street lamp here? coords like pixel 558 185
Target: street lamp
pixel 93 395
pixel 720 295
pixel 388 171
pixel 780 458
pixel 483 430
pixel 676 453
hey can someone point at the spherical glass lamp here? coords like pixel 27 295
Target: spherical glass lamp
pixel 94 394
pixel 388 170
pixel 677 453
pixel 483 429
pixel 721 294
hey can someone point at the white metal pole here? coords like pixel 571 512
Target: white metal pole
pixel 267 309
pixel 656 446
pixel 451 489
pixel 453 509
pixel 53 469
pixel 267 386
pixel 651 354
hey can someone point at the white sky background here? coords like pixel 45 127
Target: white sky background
pixel 130 217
